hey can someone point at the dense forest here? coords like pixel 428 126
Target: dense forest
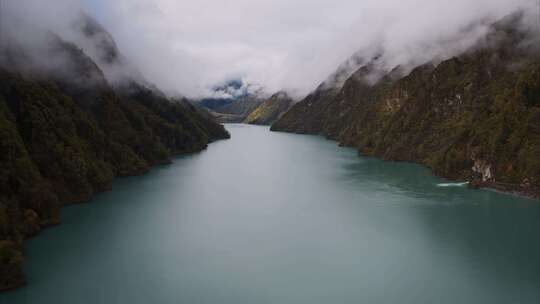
pixel 66 132
pixel 473 117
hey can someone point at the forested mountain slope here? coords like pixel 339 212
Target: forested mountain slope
pixel 270 110
pixel 474 117
pixel 66 132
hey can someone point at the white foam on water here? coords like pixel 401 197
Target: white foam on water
pixel 453 184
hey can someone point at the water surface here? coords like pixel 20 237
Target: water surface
pixel 287 219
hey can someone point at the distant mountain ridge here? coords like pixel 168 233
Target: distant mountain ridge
pixel 270 110
pixel 233 101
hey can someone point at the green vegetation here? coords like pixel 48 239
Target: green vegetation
pixel 270 110
pixel 59 146
pixel 473 117
pixel 65 133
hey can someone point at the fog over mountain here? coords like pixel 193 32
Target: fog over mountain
pixel 189 47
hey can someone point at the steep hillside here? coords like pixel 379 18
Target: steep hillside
pixel 270 110
pixel 232 110
pixel 65 133
pixel 233 101
pixel 474 117
pixel 241 107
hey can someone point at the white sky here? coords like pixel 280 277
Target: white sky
pixel 189 46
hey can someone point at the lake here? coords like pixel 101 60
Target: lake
pixel 287 219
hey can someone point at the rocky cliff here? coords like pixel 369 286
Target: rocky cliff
pixel 66 132
pixel 472 117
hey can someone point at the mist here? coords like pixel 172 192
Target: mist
pixel 190 47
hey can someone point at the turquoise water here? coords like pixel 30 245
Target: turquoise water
pixel 287 219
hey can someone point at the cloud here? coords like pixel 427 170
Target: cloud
pixel 188 47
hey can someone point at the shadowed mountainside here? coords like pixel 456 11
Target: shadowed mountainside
pixel 66 132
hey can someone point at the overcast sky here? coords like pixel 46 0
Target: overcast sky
pixel 188 46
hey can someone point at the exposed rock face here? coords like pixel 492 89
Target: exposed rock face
pixel 483 169
pixel 473 117
pixel 270 110
pixel 63 139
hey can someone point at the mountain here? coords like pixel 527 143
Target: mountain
pixel 472 117
pixel 237 110
pixel 66 132
pixel 270 110
pixel 233 101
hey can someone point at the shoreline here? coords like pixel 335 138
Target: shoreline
pixel 503 188
pixel 513 190
pixel 87 200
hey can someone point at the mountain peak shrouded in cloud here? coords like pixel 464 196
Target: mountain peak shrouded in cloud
pixel 235 89
pixel 71 46
pixel 187 47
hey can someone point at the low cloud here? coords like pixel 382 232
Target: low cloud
pixel 188 47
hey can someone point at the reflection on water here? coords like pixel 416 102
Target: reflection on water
pixel 280 218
